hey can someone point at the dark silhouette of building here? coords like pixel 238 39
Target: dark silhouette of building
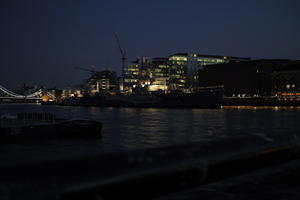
pixel 243 78
pixel 287 77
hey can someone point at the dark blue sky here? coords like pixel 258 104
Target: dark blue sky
pixel 43 40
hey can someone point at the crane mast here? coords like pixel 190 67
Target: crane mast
pixel 123 53
pixel 87 69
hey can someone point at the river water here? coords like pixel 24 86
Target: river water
pixel 136 128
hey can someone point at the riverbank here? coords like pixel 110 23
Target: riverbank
pixel 273 183
pixel 206 99
pixel 153 102
pixel 260 101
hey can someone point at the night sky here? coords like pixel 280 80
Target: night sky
pixel 43 40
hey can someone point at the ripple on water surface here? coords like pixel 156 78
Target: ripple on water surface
pixel 135 128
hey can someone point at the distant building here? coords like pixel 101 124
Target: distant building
pixel 102 81
pixel 131 75
pixel 67 93
pixel 137 73
pixel 159 75
pixel 287 78
pixel 145 72
pixel 243 78
pixel 183 69
pixel 54 93
pixel 178 72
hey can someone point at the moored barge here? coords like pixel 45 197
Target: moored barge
pixel 203 98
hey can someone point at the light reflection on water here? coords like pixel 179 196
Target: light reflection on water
pixel 133 128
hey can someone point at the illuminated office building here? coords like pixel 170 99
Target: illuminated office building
pixel 102 81
pixel 177 72
pixel 183 69
pixel 160 75
pixel 137 73
pixel 146 71
pixel 131 75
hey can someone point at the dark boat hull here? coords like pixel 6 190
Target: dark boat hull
pixel 73 129
pixel 201 99
pixel 208 98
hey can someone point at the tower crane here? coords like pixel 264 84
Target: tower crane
pixel 123 53
pixel 92 69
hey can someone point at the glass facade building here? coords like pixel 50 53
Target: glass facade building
pixel 177 71
pixel 183 73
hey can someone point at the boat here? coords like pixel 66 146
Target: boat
pixel 203 98
pixel 25 126
pixel 135 100
pixel 210 97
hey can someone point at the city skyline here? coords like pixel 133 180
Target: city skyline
pixel 42 42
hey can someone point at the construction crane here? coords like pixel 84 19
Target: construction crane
pixel 92 69
pixel 123 53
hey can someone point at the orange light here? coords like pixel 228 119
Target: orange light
pixel 45 98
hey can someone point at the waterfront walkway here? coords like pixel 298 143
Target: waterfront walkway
pixel 160 172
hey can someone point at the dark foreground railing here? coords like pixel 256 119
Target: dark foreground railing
pixel 148 173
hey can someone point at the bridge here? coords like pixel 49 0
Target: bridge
pixel 39 95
